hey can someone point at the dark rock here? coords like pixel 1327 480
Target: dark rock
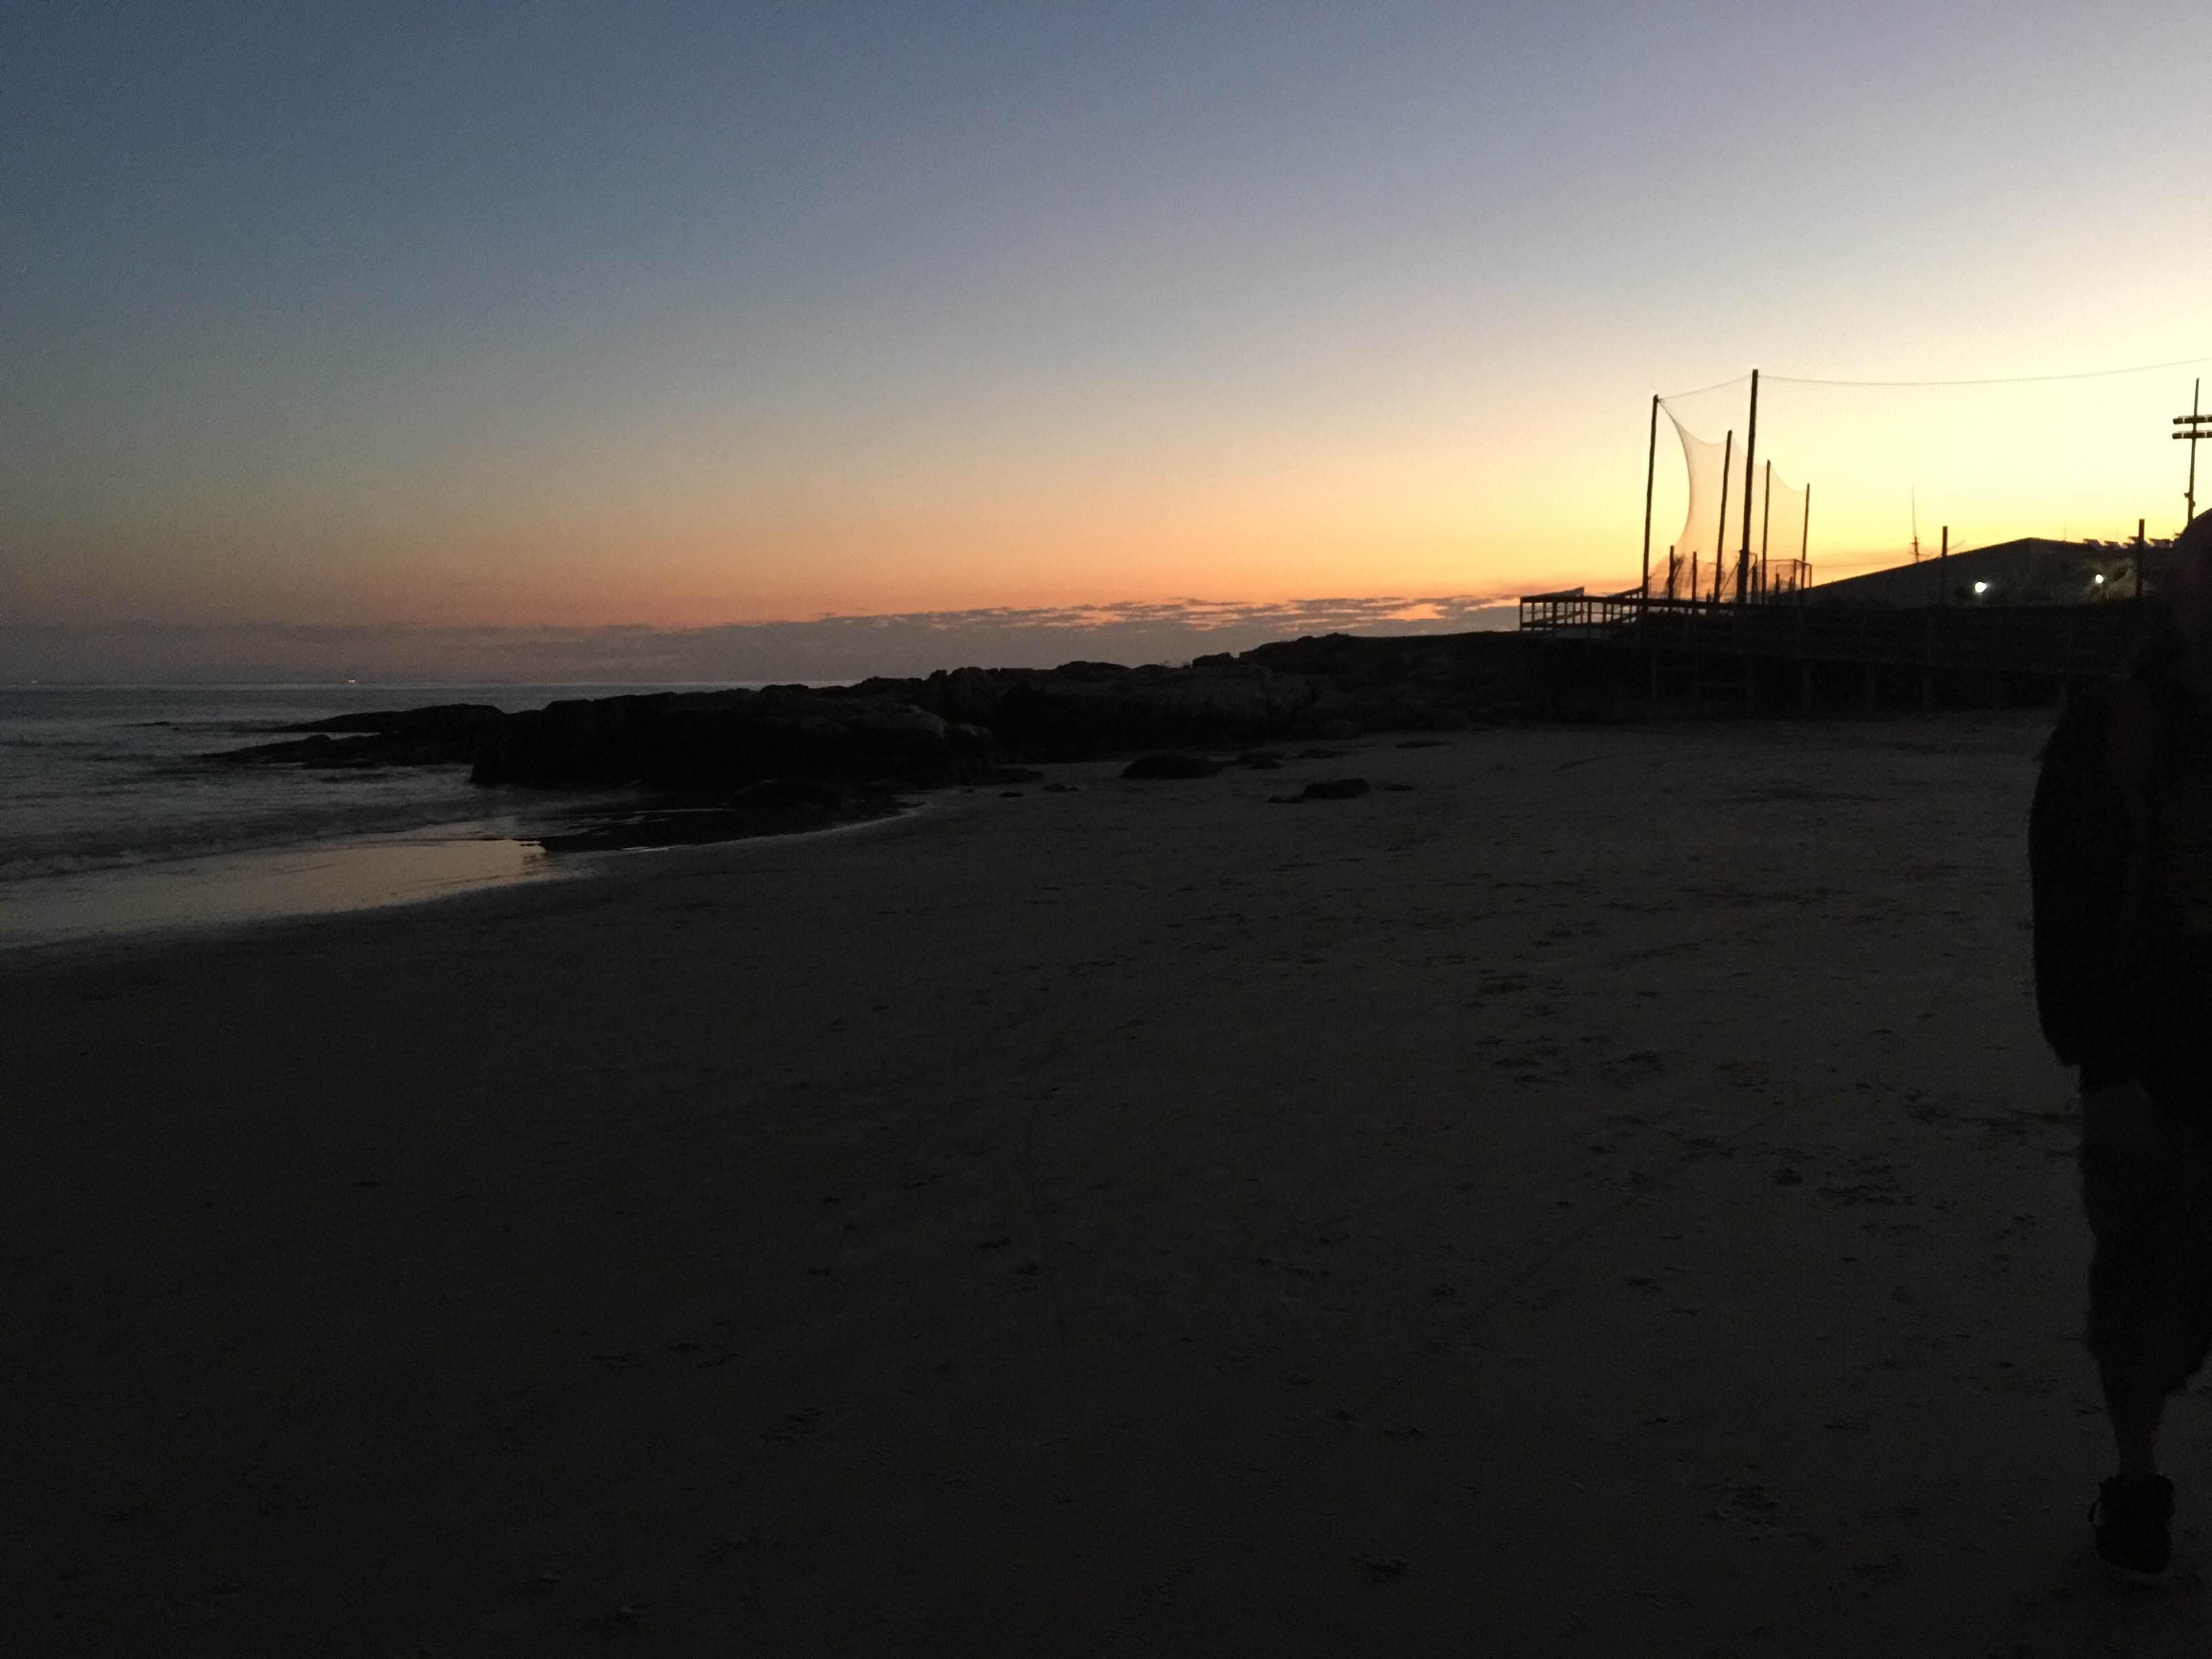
pixel 445 734
pixel 1332 655
pixel 1171 766
pixel 1338 731
pixel 1261 761
pixel 965 694
pixel 1085 710
pixel 1333 789
pixel 720 739
pixel 578 742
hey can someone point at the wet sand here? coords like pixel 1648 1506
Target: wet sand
pixel 1607 1197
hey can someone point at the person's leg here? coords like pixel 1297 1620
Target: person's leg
pixel 2135 1409
pixel 2146 1313
pixel 2124 1191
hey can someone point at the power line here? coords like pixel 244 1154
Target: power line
pixel 1999 380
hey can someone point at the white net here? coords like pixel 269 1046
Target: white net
pixel 1712 559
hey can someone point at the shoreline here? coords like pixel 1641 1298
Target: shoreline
pixel 178 900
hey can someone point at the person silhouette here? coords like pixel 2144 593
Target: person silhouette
pixel 2146 1159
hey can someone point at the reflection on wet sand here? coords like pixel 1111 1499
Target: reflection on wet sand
pixel 194 893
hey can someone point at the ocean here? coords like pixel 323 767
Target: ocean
pixel 113 823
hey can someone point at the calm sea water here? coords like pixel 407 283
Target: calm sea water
pixel 113 821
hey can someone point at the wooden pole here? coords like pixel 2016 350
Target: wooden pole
pixel 1750 472
pixel 1805 543
pixel 1765 519
pixel 1720 530
pixel 1673 566
pixel 1942 568
pixel 1650 472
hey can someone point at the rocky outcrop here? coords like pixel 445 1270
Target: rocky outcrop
pixel 1083 710
pixel 956 726
pixel 1338 684
pixel 719 740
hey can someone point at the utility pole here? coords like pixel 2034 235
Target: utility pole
pixel 2193 426
pixel 1750 472
pixel 1943 569
pixel 1651 465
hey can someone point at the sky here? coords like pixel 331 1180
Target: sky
pixel 437 320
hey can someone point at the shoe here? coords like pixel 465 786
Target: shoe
pixel 2132 1516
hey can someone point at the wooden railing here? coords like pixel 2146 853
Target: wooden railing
pixel 2056 639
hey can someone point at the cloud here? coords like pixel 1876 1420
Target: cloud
pixel 826 648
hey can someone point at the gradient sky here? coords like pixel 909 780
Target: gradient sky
pixel 567 315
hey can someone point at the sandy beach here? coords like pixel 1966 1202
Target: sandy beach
pixel 1607 1195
